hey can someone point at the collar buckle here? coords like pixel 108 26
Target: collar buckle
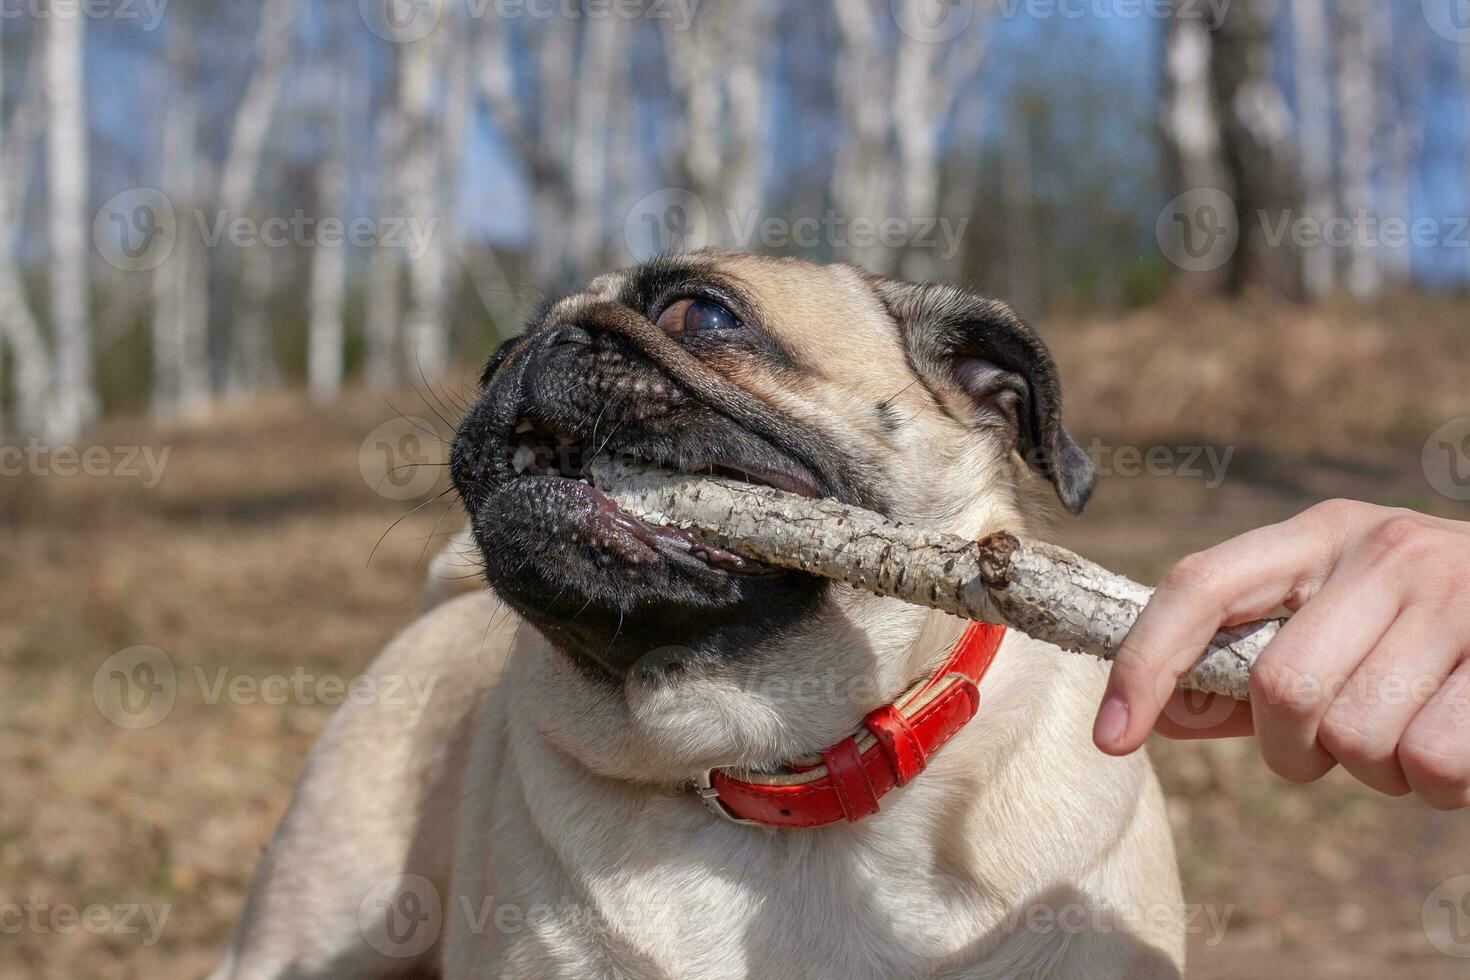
pixel 704 788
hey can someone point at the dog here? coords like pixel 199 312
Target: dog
pixel 646 757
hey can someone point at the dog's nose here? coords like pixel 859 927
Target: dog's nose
pixel 567 335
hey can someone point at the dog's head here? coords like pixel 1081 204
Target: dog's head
pixel 922 402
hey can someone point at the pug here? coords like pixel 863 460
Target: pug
pixel 646 757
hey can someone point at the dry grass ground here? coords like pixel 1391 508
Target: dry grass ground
pixel 250 557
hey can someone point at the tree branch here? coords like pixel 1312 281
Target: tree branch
pixel 1042 590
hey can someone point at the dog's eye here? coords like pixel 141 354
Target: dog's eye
pixel 693 315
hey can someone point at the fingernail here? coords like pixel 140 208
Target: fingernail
pixel 1112 721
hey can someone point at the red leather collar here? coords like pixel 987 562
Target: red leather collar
pixel 893 746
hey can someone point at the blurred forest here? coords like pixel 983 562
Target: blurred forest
pixel 205 200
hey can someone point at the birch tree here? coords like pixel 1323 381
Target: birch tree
pixel 1256 126
pixel 1314 123
pixel 385 273
pixel 250 362
pixel 896 90
pixel 929 78
pixel 859 184
pixel 1228 127
pixel 325 331
pixel 180 383
pixel 20 333
pixel 721 115
pixel 74 399
pixel 425 336
pixel 1357 96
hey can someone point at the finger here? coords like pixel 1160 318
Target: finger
pixel 1241 579
pixel 1435 751
pixel 1296 678
pixel 1190 715
pixel 1367 720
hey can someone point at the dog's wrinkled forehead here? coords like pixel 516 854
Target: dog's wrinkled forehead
pixel 818 320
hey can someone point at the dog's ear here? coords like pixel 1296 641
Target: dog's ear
pixel 961 342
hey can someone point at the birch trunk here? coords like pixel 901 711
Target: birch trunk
pixel 929 79
pixel 424 333
pixel 860 186
pixel 601 45
pixel 1357 96
pixel 20 334
pixel 700 105
pixel 1190 122
pixel 251 362
pixel 325 331
pixel 1314 114
pixel 384 286
pixel 1042 590
pixel 1256 129
pixel 745 96
pixel 180 359
pixel 74 399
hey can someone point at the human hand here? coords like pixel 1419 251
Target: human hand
pixel 1369 672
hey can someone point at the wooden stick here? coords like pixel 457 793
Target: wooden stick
pixel 1045 591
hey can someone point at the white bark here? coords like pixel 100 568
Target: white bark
pixel 722 115
pixel 1357 96
pixel 601 46
pixel 425 336
pixel 20 334
pixel 384 287
pixel 258 106
pixel 859 175
pixel 1314 114
pixel 1042 590
pixel 251 362
pixel 180 314
pixel 929 79
pixel 325 330
pixel 74 399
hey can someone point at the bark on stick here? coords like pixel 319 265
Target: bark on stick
pixel 1045 591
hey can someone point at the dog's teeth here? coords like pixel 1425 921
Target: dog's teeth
pixel 523 426
pixel 524 459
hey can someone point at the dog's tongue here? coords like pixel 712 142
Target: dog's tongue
pixel 621 481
